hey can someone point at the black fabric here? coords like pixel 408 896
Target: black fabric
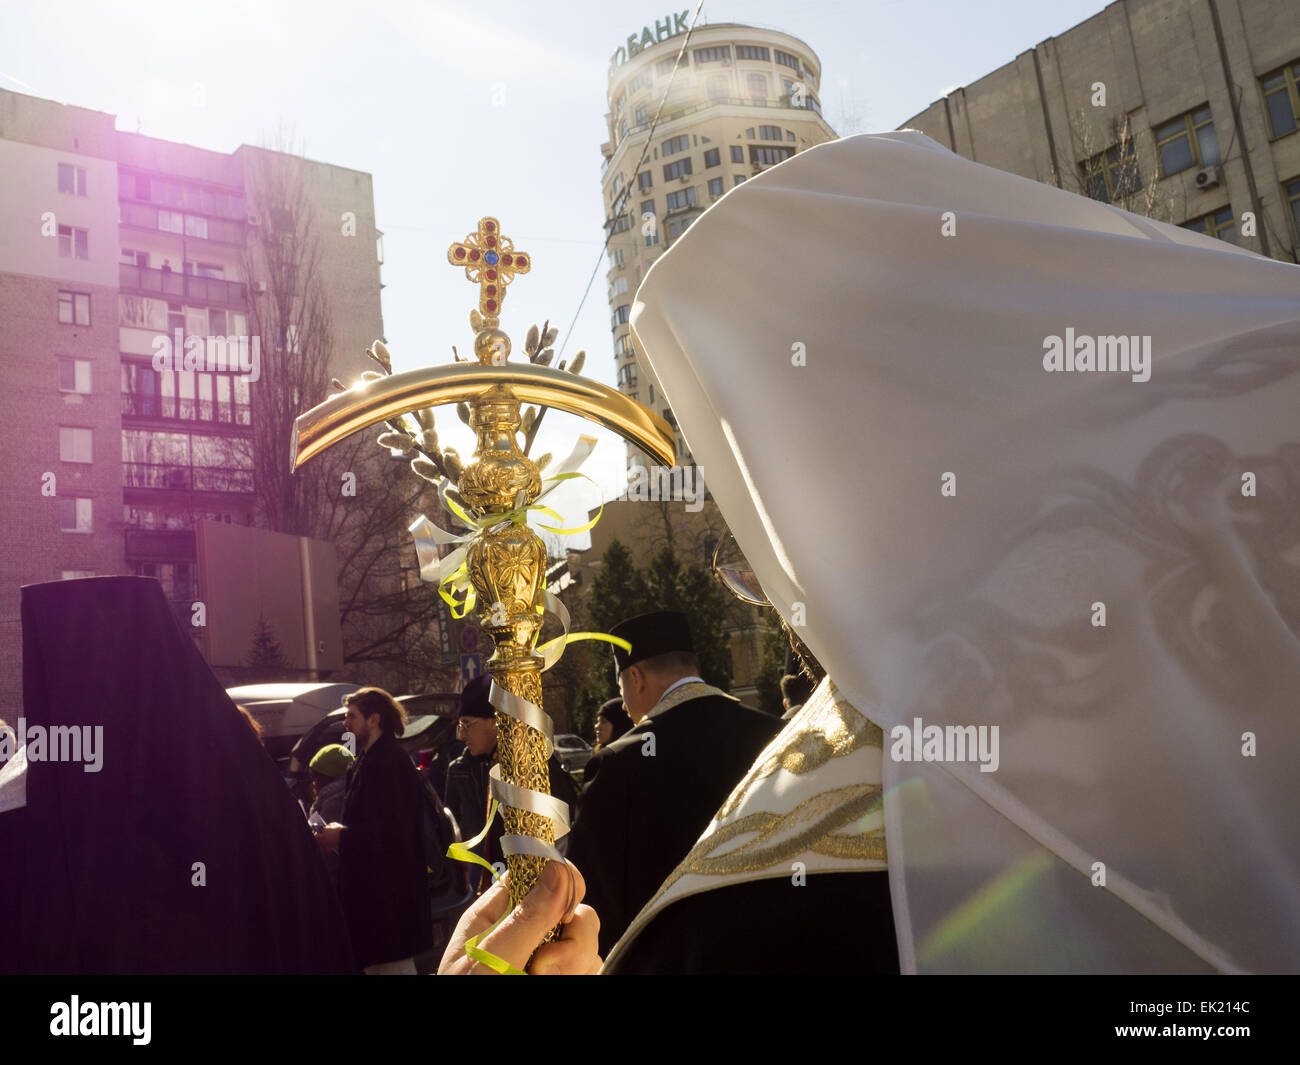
pixel 474 698
pixel 835 922
pixel 468 795
pixel 643 812
pixel 382 877
pixel 97 870
pixel 652 634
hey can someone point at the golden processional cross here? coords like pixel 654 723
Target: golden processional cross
pixel 506 560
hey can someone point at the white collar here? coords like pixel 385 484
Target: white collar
pixel 678 683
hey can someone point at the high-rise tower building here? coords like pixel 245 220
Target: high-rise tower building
pixel 741 99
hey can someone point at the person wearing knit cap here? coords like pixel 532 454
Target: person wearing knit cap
pixel 659 784
pixel 329 771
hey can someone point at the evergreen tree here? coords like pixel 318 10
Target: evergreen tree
pixel 265 655
pixel 618 592
pixel 692 590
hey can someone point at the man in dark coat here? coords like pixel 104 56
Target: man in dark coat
pixel 382 872
pixel 467 777
pixel 660 784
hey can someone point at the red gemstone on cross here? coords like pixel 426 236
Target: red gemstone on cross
pixel 460 253
pixel 521 261
pixel 491 242
pixel 491 290
pixel 492 275
pixel 489 226
pixel 505 260
pixel 473 256
pixel 491 305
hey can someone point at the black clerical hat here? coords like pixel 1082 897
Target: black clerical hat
pixel 474 699
pixel 650 635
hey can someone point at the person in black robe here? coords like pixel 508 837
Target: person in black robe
pixel 176 848
pixel 382 872
pixel 660 784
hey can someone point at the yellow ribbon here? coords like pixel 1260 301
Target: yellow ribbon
pixel 461 852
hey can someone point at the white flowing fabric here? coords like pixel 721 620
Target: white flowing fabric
pixel 1173 504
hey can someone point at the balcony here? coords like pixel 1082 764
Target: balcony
pixel 144 405
pixel 178 478
pixel 785 103
pixel 160 544
pixel 188 287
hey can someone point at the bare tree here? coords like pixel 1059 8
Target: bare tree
pixel 351 495
pixel 1119 167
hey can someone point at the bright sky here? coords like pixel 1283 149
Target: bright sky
pixel 464 109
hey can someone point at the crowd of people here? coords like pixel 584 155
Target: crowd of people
pixel 668 752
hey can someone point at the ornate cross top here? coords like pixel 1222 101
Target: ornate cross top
pixel 491 262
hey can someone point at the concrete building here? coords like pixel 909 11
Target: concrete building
pixel 680 135
pixel 1182 110
pixel 109 241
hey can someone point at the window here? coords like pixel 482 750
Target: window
pixel 679 169
pixel 639 82
pixel 74 515
pixel 768 156
pixel 749 51
pixel 644 180
pixel 618 184
pixel 719 87
pixel 715 187
pixel 634 396
pixel 787 60
pixel 621 315
pixel 678 226
pixel 196 226
pixel 1112 174
pixel 712 55
pixel 618 104
pixel 757 86
pixel 74 376
pixel 75 445
pixel 647 207
pixel 652 394
pixel 1291 190
pixel 627 375
pixel 769 133
pixel 76 574
pixel 679 201
pixel 651 235
pixel 749 133
pixel 1187 141
pixel 616 259
pixel 74 308
pixel 789 135
pixel 664 66
pixel 737 153
pixel 623 345
pixel 73 243
pixel 72 179
pixel 642 114
pixel 171 221
pixel 621 224
pixel 713 157
pixel 673 145
pixel 1282 99
pixel 618 286
pixel 739 178
pixel 1219 224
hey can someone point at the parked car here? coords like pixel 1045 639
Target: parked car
pixel 573 751
pixel 286 711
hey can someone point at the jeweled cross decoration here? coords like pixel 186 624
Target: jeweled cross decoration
pixel 491 262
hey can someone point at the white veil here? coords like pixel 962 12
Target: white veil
pixel 1160 744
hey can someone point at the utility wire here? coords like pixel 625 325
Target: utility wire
pixel 620 203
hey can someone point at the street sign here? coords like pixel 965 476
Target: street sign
pixel 468 639
pixel 471 666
